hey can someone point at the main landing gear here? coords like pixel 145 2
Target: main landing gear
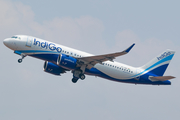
pixel 82 76
pixel 78 74
pixel 74 80
pixel 22 57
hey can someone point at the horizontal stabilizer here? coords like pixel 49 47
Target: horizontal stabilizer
pixel 161 78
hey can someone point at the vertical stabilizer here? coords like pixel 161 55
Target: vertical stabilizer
pixel 159 64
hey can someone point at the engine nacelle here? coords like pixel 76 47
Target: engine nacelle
pixel 66 61
pixel 52 68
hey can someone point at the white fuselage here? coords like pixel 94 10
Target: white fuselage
pixel 33 45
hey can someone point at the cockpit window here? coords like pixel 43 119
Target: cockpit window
pixel 15 37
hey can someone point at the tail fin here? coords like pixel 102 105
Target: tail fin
pixel 159 64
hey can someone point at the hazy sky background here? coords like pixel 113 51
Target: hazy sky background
pixel 97 27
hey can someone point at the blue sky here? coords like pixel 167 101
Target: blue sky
pixel 97 27
pixel 145 18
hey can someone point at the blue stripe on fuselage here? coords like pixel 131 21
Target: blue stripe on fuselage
pixel 93 71
pixel 36 51
pixel 143 80
pixel 47 57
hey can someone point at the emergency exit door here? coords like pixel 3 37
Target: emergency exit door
pixel 29 42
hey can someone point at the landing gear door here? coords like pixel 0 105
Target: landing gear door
pixel 29 41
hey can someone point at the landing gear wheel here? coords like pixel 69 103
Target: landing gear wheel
pixel 74 80
pixel 19 60
pixel 82 76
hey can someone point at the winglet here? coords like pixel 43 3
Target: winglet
pixel 127 50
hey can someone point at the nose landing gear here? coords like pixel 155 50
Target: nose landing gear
pixel 20 60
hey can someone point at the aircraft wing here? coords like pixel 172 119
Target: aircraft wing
pixel 92 60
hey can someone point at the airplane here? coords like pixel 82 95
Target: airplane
pixel 59 59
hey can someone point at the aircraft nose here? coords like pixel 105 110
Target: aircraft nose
pixel 10 43
pixel 6 41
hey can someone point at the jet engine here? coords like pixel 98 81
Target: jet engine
pixel 52 68
pixel 66 61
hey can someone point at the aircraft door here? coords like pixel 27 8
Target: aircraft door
pixel 29 41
